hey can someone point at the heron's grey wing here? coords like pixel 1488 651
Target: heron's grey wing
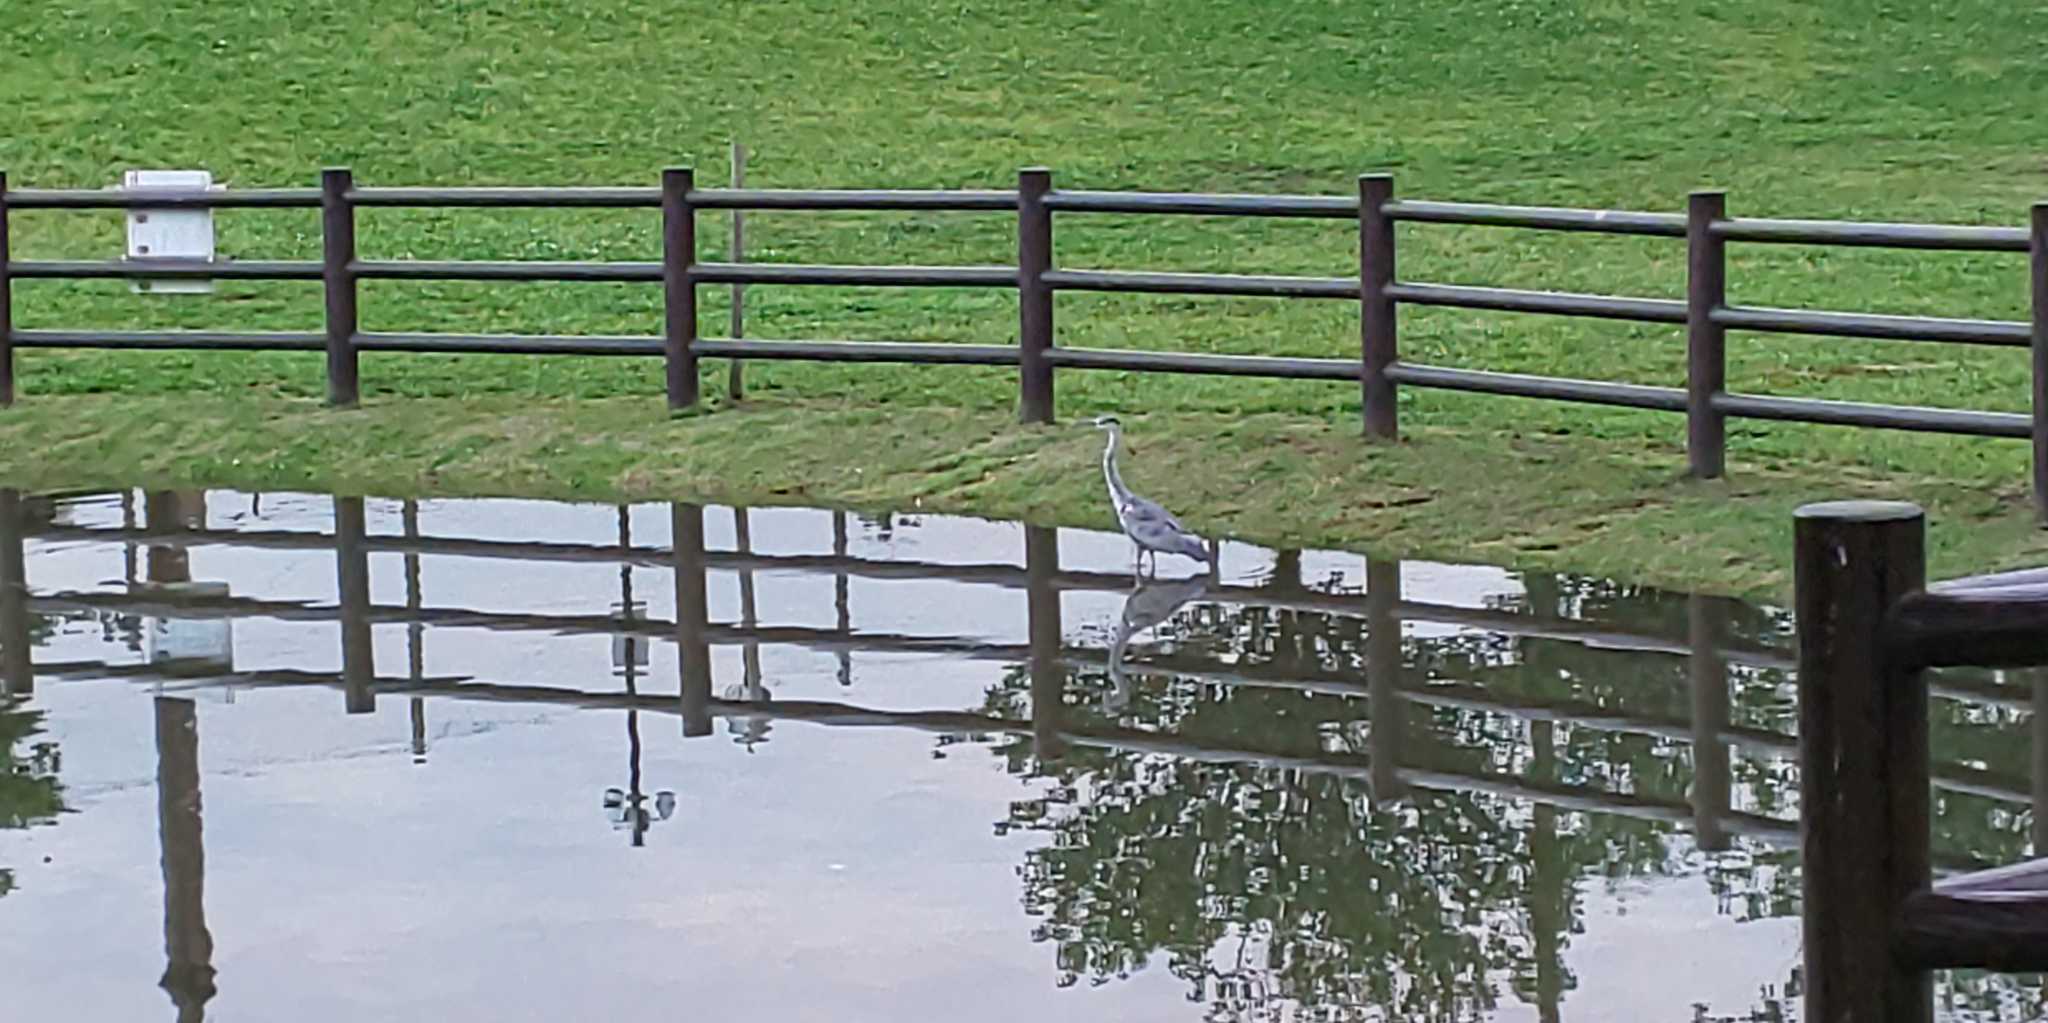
pixel 1146 508
pixel 1160 534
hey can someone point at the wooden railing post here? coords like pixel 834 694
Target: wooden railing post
pixel 1706 362
pixel 1707 670
pixel 1863 772
pixel 2037 259
pixel 17 665
pixel 1042 610
pixel 1377 331
pixel 337 274
pixel 2040 772
pixel 6 304
pixel 188 945
pixel 679 288
pixel 415 631
pixel 1034 296
pixel 1386 703
pixel 352 571
pixel 693 656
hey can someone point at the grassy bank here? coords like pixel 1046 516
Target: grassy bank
pixel 1915 112
pixel 1534 500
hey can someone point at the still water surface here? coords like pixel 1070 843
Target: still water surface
pixel 287 757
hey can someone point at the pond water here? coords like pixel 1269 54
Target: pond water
pixel 286 756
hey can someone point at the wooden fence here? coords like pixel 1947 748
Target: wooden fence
pixel 1705 643
pixel 1875 923
pixel 1379 371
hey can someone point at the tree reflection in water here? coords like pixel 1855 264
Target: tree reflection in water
pixel 1275 893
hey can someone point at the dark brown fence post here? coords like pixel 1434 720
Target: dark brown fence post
pixel 679 287
pixel 1034 296
pixel 2038 270
pixel 693 655
pixel 352 571
pixel 1863 773
pixel 17 665
pixel 188 945
pixel 1707 668
pixel 2040 763
pixel 1706 362
pixel 6 304
pixel 1042 611
pixel 1386 702
pixel 337 273
pixel 1377 332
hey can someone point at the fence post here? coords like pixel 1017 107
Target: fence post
pixel 1706 362
pixel 1042 611
pixel 1863 774
pixel 337 274
pixel 17 666
pixel 6 304
pixel 2037 259
pixel 352 571
pixel 1386 703
pixel 693 655
pixel 735 376
pixel 2040 773
pixel 679 287
pixel 1034 297
pixel 1707 671
pixel 1377 331
pixel 188 946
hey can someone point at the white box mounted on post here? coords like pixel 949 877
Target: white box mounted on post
pixel 181 234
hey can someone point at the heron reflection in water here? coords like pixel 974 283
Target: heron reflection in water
pixel 1151 602
pixel 1150 526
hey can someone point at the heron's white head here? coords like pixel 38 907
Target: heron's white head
pixel 1104 423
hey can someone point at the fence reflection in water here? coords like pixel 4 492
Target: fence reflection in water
pixel 1299 721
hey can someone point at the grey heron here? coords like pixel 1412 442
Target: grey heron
pixel 1149 604
pixel 1152 528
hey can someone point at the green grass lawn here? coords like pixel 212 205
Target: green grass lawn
pixel 1912 112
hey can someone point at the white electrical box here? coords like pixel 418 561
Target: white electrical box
pixel 629 649
pixel 189 643
pixel 181 234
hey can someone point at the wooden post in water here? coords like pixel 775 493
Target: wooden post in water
pixel 1707 670
pixel 352 573
pixel 842 597
pixel 2040 764
pixel 170 511
pixel 1863 785
pixel 17 662
pixel 693 647
pixel 1386 703
pixel 750 650
pixel 1549 880
pixel 188 946
pixel 1042 603
pixel 415 633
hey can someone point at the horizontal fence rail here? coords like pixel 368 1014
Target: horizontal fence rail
pixel 1379 371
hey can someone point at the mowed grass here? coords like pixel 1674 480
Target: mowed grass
pixel 1923 112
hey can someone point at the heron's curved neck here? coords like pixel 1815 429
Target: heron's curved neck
pixel 1117 491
